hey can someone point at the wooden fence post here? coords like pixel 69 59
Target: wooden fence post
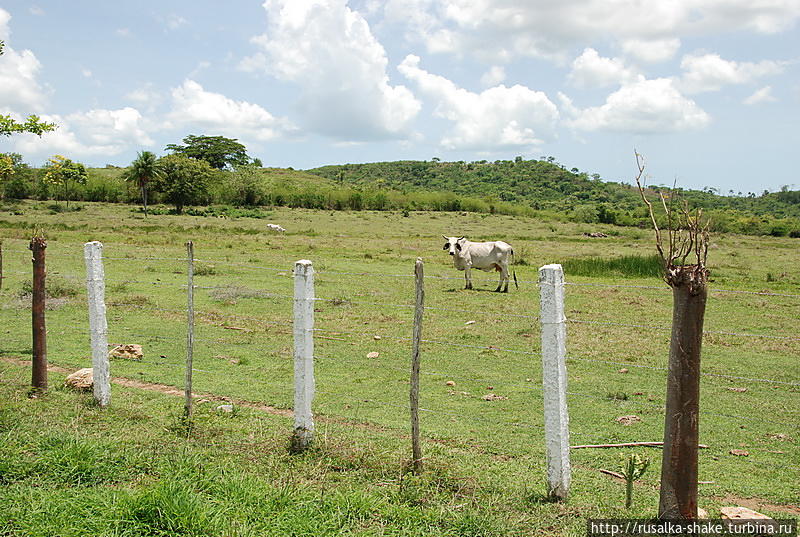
pixel 1 264
pixel 419 308
pixel 554 380
pixel 304 385
pixel 98 327
pixel 678 497
pixel 187 409
pixel 39 365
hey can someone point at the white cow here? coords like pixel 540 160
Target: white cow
pixel 486 256
pixel 276 227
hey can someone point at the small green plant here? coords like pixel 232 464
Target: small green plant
pixel 202 269
pixel 633 468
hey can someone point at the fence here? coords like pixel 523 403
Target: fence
pixel 361 339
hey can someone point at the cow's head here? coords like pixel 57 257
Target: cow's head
pixel 453 244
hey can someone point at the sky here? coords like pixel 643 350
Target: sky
pixel 707 90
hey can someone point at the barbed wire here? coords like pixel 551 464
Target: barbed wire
pixel 706 374
pixel 669 328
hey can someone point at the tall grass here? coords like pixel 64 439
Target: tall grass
pixel 630 266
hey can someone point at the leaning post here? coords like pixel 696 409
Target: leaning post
pixel 304 384
pixel 554 380
pixel 98 326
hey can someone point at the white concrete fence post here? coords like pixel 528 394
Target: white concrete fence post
pixel 304 385
pixel 554 380
pixel 98 327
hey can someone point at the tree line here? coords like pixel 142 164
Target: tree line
pixel 214 170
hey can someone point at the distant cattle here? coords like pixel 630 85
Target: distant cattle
pixel 276 227
pixel 486 256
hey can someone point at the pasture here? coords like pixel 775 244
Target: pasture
pixel 484 459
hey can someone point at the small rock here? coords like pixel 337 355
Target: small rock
pixel 623 370
pixel 734 516
pixel 82 379
pixel 739 452
pixel 778 436
pixel 450 383
pixel 469 322
pixel 628 420
pixel 702 513
pixel 739 390
pixel 528 380
pixel 225 408
pixel 373 354
pixel 127 352
pixel 377 338
pixel 494 397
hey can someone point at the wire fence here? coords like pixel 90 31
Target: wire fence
pixel 245 344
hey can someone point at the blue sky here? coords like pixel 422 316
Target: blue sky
pixel 707 90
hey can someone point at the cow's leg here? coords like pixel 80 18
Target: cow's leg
pixel 503 278
pixel 468 278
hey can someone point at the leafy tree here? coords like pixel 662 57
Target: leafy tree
pixel 184 180
pixel 143 171
pixel 218 151
pixel 63 172
pixel 6 171
pixel 32 124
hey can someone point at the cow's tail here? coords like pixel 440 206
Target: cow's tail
pixel 514 272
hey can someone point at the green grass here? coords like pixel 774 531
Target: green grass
pixel 627 266
pixel 484 459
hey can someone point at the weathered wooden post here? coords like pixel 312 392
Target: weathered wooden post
pixel 39 365
pixel 304 385
pixel 554 380
pixel 1 264
pixel 98 327
pixel 187 408
pixel 419 308
pixel 685 272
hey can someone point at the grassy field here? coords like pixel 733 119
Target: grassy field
pixel 72 469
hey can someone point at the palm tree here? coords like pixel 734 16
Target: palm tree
pixel 143 170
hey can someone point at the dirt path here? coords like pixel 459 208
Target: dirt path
pixel 164 388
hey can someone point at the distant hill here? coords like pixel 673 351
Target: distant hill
pixel 548 186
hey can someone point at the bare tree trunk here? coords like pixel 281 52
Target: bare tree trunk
pixel 144 199
pixel 678 499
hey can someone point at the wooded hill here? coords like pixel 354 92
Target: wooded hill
pixel 546 186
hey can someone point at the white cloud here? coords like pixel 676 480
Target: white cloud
pixel 499 117
pixel 193 106
pixel 644 107
pixel 328 50
pixel 36 11
pixel 504 29
pixel 87 134
pixel 493 76
pixel 175 21
pixel 20 90
pixel 590 70
pixel 709 72
pixel 87 73
pixel 123 32
pixel 763 95
pixel 651 50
